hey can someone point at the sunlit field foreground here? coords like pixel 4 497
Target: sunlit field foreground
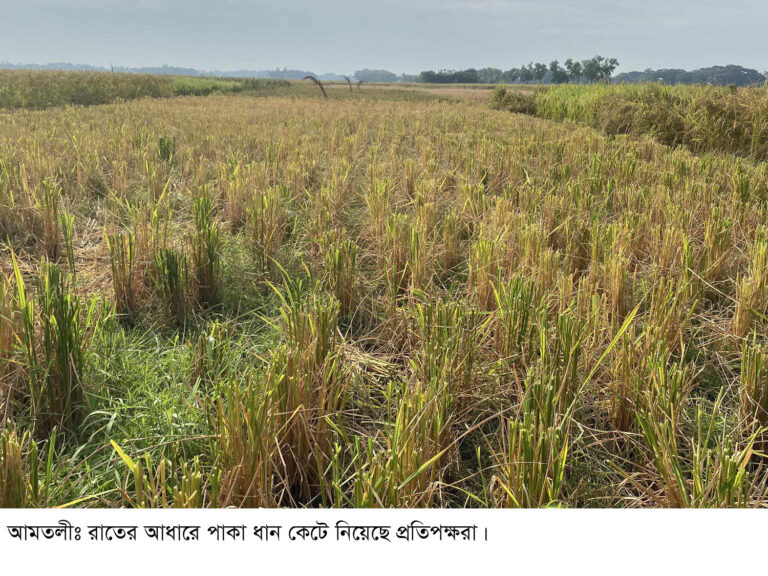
pixel 366 302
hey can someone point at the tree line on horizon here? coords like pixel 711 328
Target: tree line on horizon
pixel 589 71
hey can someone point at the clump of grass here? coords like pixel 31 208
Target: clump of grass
pixel 166 148
pixel 7 338
pixel 716 242
pixel 55 355
pixel 512 101
pixel 513 325
pixel 48 206
pixel 451 241
pixel 395 257
pixel 58 393
pixel 210 353
pixel 406 473
pixel 13 480
pixel 247 443
pixel 122 258
pixel 162 486
pixel 530 467
pixel 485 260
pixel 67 224
pixel 310 387
pixel 449 334
pixel 172 281
pixel 206 254
pixel 715 476
pixel 341 265
pixel 747 301
pixel 267 222
pixel 703 118
pixel 752 290
pixel 753 385
pixel 377 200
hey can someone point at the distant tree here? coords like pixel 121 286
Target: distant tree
pixel 428 77
pixel 607 67
pixel 526 73
pixel 574 70
pixel 717 75
pixel 468 76
pixel 490 75
pixel 367 75
pixel 591 69
pixel 511 76
pixel 558 75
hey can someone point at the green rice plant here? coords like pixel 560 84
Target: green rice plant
pixel 13 477
pixel 7 338
pixel 57 389
pixel 418 255
pixel 172 281
pixel 666 387
pixel 395 257
pixel 23 484
pixel 54 355
pixel 340 255
pixel 449 334
pixel 247 444
pixel 377 201
pixel 753 385
pixel 530 464
pixel 206 250
pixel 67 223
pixel 27 335
pixel 485 260
pixel 615 274
pixel 748 298
pixel 752 290
pixel 626 383
pixel 514 330
pixel 450 246
pixel 122 258
pixel 530 467
pixel 717 238
pixel 561 355
pixel 161 486
pixel 210 354
pixel 671 308
pixel 476 201
pixel 267 222
pixel 409 177
pixel 166 148
pixel 48 206
pixel 715 476
pixel 759 262
pixel 407 472
pixel 310 385
pixel 234 180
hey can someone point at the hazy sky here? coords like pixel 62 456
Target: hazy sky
pixel 400 35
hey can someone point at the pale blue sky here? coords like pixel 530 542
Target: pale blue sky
pixel 400 35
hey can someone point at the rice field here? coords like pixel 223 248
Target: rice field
pixel 382 298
